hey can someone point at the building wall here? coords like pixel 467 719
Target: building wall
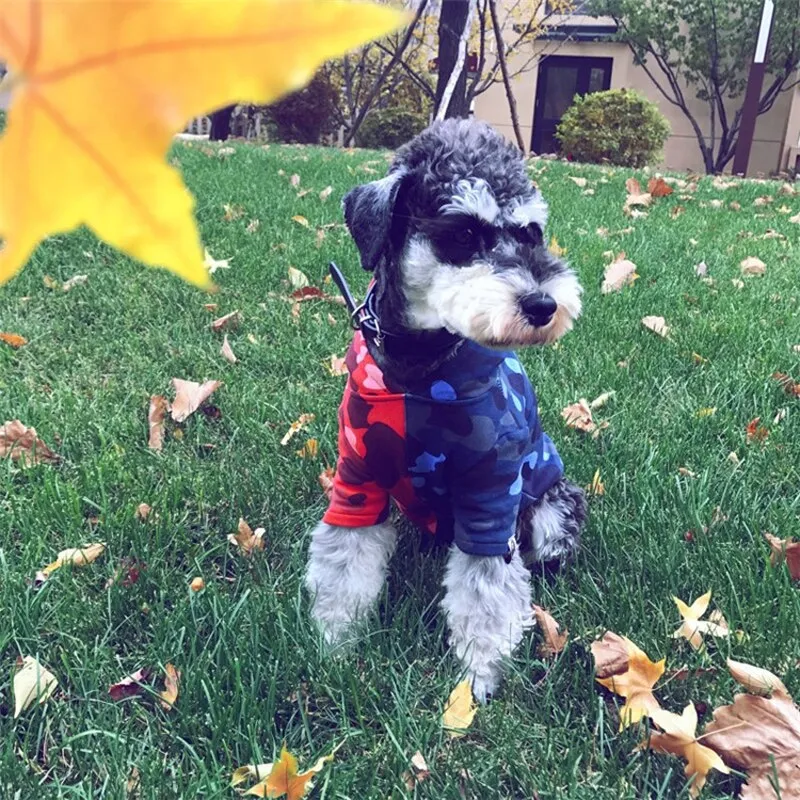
pixel 776 131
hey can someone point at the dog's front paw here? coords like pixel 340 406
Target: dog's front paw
pixel 484 684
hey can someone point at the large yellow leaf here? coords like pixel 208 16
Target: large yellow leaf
pixel 101 86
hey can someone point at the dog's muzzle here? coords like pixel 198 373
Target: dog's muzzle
pixel 538 308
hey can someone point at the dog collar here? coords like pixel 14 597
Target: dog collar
pixel 364 317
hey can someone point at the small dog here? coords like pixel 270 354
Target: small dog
pixel 438 413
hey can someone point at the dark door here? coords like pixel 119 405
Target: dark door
pixel 560 79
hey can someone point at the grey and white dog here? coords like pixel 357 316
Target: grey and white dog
pixel 454 236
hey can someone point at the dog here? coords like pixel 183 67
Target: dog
pixel 438 413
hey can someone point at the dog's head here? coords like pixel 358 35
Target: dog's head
pixel 455 237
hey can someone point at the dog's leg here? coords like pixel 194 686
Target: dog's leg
pixel 551 529
pixel 345 573
pixel 488 606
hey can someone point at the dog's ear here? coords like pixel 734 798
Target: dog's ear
pixel 368 212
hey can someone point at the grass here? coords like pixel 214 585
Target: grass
pixel 253 673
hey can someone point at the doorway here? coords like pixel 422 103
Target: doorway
pixel 560 79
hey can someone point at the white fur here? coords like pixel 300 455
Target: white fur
pixel 345 574
pixel 473 197
pixel 548 539
pixel 474 302
pixel 565 289
pixel 525 212
pixel 488 607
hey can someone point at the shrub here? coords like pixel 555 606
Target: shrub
pixel 390 127
pixel 305 116
pixel 617 127
pixel 2 120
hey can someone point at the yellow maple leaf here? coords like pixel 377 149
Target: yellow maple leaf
pixel 460 710
pixel 679 739
pixel 99 88
pixel 284 779
pixel 693 628
pixel 635 685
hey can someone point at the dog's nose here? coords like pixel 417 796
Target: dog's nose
pixel 539 308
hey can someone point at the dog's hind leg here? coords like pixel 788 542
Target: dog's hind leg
pixel 550 530
pixel 488 607
pixel 345 573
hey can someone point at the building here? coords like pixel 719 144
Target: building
pixel 585 59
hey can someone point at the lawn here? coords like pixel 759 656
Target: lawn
pixel 253 676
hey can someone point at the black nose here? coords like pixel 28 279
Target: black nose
pixel 538 308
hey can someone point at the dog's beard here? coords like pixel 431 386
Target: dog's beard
pixel 480 304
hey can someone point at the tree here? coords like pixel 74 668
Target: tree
pixel 705 47
pixel 221 124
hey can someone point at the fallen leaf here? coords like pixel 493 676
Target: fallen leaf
pixel 738 284
pixel 735 206
pixel 679 739
pixel 459 711
pixel 755 679
pixel 212 264
pixel 226 151
pixel 172 679
pixel 284 779
pixel 658 187
pixel 693 628
pixel 771 233
pixel 579 182
pixel 76 556
pixel 579 416
pixel 795 219
pixel 155 420
pixel 325 193
pixel 257 771
pixel 785 550
pixel 210 306
pixel 228 321
pixel 760 736
pixel 686 472
pixel 723 183
pixel 22 444
pixel 297 278
pixel 555 248
pixel 635 684
pixel 247 540
pixel 701 269
pixel 32 682
pixel 309 450
pixel 787 190
pixel 143 511
pixel 130 685
pixel 133 784
pixel 303 421
pixel 755 432
pixel 676 211
pixel 708 411
pixel 189 396
pixel 232 211
pixel 787 383
pixel 753 266
pixel 611 654
pixel 13 339
pixel 636 197
pixel 734 458
pixel 418 773
pixel 295 180
pixel 698 359
pixel 301 220
pixel 197 584
pixel 779 416
pixel 554 641
pixel 618 273
pixel 337 366
pixel 253 225
pixel 588 192
pixel 715 203
pixel 226 351
pixel 326 481
pixel 764 200
pixel 601 400
pixel 657 325
pixel 596 488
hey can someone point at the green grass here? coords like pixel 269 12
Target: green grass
pixel 253 673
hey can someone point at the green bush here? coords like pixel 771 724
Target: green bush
pixel 617 127
pixel 390 127
pixel 2 120
pixel 305 116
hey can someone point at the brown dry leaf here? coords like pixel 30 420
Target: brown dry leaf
pixel 142 511
pixel 596 488
pixel 295 180
pixel 232 211
pixel 228 321
pixel 753 266
pixel 212 264
pixel 658 187
pixel 325 193
pixel 130 686
pixel 724 183
pixel 795 219
pixel 13 339
pixel 326 481
pixel 760 736
pixel 246 539
pixel 636 197
pixel 715 203
pixel 309 450
pixel 764 200
pixel 635 683
pixel 155 420
pixel 755 679
pixel 76 556
pixel 301 220
pixel 679 738
pixel 601 400
pixel 459 711
pixel 657 325
pixel 785 550
pixel 253 225
pixel 226 351
pixel 676 211
pixel 303 421
pixel 610 654
pixel 620 272
pixel 686 472
pixel 337 366
pixel 189 396
pixel 554 641
pixel 555 248
pixel 771 233
pixel 172 679
pixel 734 205
pixel 32 682
pixel 21 444
pixel 418 773
pixel 787 383
pixel 755 432
pixel 210 306
pixel 787 190
pixel 579 182
pixel 579 416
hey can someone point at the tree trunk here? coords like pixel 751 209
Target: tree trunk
pixel 220 124
pixel 452 21
pixel 501 56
